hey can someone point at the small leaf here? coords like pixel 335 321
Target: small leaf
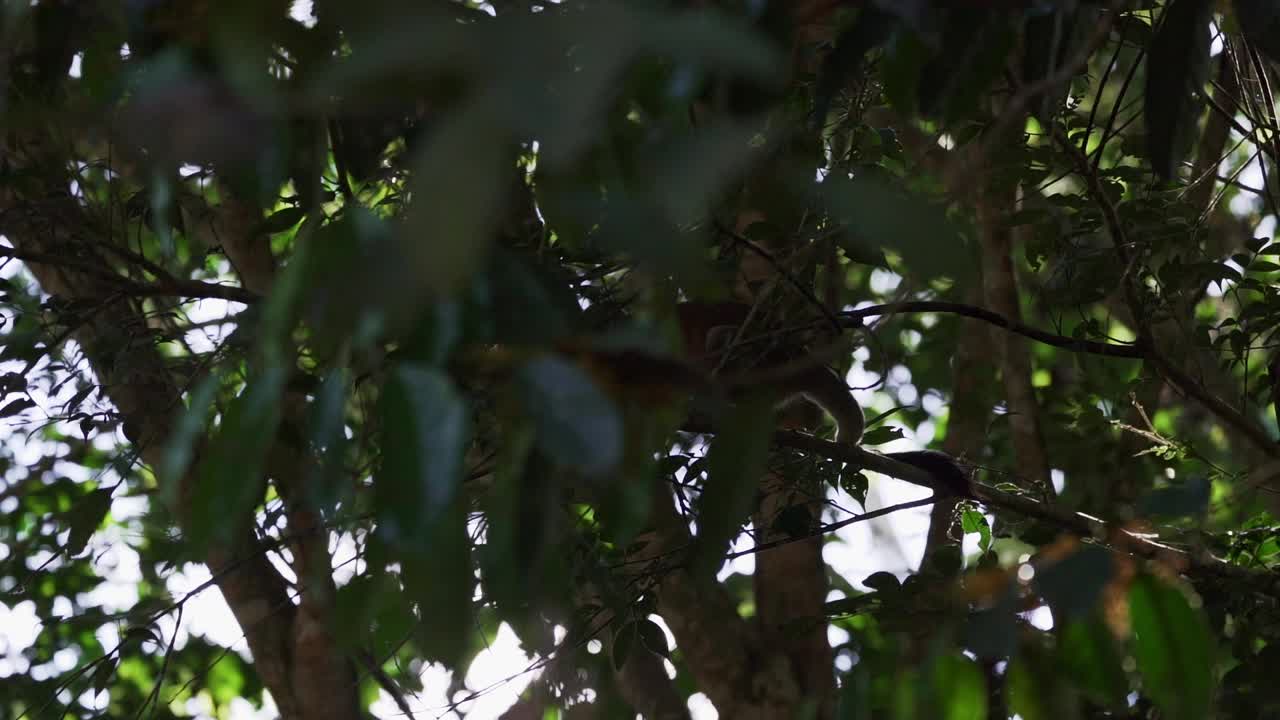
pixel 75 400
pixel 882 435
pixel 1173 647
pixel 16 406
pixel 882 581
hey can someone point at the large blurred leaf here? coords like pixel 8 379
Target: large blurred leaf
pixel 1036 689
pixel 1189 498
pixel 232 476
pixel 1177 60
pixel 1260 20
pixel 735 463
pixel 1073 584
pixel 522 562
pixel 1173 648
pixel 578 425
pixel 959 688
pixel 691 171
pixel 456 192
pixel 1087 652
pixel 1049 34
pixel 876 213
pixel 974 52
pixel 327 434
pixel 425 433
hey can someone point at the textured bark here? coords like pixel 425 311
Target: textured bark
pixel 292 644
pixel 743 677
pixel 1001 289
pixel 642 680
pixel 790 581
pixel 967 418
pixel 318 663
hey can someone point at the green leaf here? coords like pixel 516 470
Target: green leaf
pixel 973 521
pixel 190 425
pixel 578 425
pixel 734 465
pixel 1035 692
pixel 1088 653
pixel 421 513
pixel 1173 648
pixel 85 518
pixel 425 432
pixel 327 425
pixel 232 476
pixel 1177 61
pixel 438 576
pixel 282 220
pixel 959 687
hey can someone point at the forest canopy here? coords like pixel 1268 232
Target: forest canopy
pixel 401 330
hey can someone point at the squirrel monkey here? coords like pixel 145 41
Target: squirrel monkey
pixel 708 329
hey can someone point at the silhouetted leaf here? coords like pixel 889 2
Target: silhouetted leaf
pixel 13 407
pixel 653 637
pixel 882 581
pixel 1177 60
pixel 85 518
